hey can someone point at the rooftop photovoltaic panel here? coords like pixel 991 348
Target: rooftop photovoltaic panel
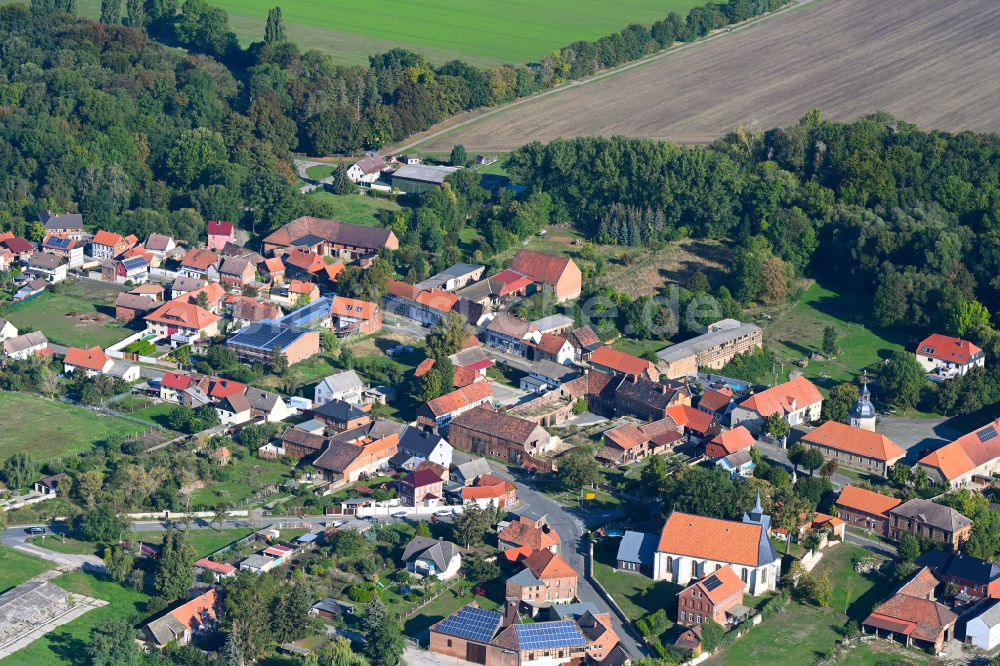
pixel 987 433
pixel 134 262
pixel 712 583
pixel 308 240
pixel 60 243
pixel 266 336
pixel 474 624
pixel 544 635
pixel 303 316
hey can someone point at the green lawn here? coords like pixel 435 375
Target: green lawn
pixel 205 542
pixel 853 594
pixel 67 545
pixel 354 208
pixel 54 429
pixel 81 315
pixel 798 332
pixel 68 643
pixel 17 567
pixel 245 477
pixel 637 595
pixel 486 32
pixel 300 376
pixel 321 171
pixel 442 607
pixel 638 347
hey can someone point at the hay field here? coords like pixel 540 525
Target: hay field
pixel 933 63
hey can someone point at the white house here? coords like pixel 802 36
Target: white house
pixel 269 405
pixel 234 409
pixel 25 346
pixel 124 370
pixel 947 357
pixel 983 629
pixel 346 386
pixel 50 267
pixel 432 557
pixel 366 170
pixel 692 546
pixel 416 443
pixel 798 401
pixel 92 361
pixel 7 330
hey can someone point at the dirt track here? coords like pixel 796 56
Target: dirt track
pixel 933 63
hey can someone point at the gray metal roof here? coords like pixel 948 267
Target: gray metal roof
pixel 637 547
pixel 424 173
pixel 703 343
pixel 437 551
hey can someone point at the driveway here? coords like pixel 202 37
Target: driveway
pixel 915 435
pixel 570 529
pixel 507 395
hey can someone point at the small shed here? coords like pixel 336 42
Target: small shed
pixel 983 627
pixel 636 552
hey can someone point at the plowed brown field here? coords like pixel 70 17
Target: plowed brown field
pixel 935 63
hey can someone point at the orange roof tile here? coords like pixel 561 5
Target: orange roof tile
pixel 487 486
pixel 626 436
pixel 91 359
pixel 966 453
pixel 108 238
pixel 866 501
pixel 856 441
pixel 199 259
pixel 734 440
pixel 301 287
pixel 621 362
pixel 309 262
pixel 459 398
pixel 545 564
pixel 274 265
pixel 689 417
pixel 550 343
pixel 728 584
pixel 541 267
pixel 523 532
pixel 352 307
pixel 333 270
pixel 442 301
pixel 223 388
pixel 711 539
pixel 178 313
pixel 424 367
pixel 780 399
pixel 465 376
pixel 949 349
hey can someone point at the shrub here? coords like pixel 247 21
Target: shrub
pixel 361 593
pixel 653 624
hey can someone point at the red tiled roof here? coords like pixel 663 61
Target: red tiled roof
pixel 621 362
pixel 728 584
pixel 352 307
pixel 217 228
pixel 178 313
pixel 274 265
pixel 465 376
pixel 626 436
pixel 545 565
pixel 422 477
pixel 547 268
pixel 523 532
pixel 402 289
pixel 714 539
pixel 459 398
pixel 947 348
pixel 199 259
pixel 734 440
pixel 855 441
pixel 91 359
pixel 223 388
pixel 779 399
pixel 309 262
pixel 917 616
pixel 217 567
pixel 691 418
pixel 550 343
pixel 487 486
pixel 301 287
pixel 108 238
pixel 966 453
pixel 442 301
pixel 512 281
pixel 424 367
pixel 176 380
pixel 866 501
pixel 716 400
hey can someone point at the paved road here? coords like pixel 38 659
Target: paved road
pixel 570 529
pixel 874 545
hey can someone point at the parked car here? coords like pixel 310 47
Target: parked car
pixel 370 519
pixel 443 513
pixel 400 514
pixel 35 530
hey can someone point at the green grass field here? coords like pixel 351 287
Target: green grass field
pixel 54 429
pixel 246 477
pixel 355 208
pixel 82 315
pixel 205 542
pixel 17 567
pixel 68 644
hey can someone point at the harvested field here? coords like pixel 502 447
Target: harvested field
pixel 929 62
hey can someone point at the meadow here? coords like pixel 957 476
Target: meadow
pixel 82 314
pixel 485 33
pixel 55 429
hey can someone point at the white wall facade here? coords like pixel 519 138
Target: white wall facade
pixel 682 570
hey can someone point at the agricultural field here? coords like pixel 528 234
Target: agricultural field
pixel 922 60
pixel 55 429
pixel 82 314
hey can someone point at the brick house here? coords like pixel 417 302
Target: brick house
pixel 865 509
pixel 711 597
pixel 342 462
pixel 617 362
pixel 561 273
pixel 421 488
pixel 340 416
pixel 350 242
pixel 129 306
pixel 913 616
pixel 530 534
pixel 798 401
pixel 546 579
pixel 854 447
pixel 488 489
pixel 489 433
pixel 928 520
pixel 352 315
pixel 441 411
pixel 69 225
pixel 259 341
pixel 107 245
pixel 729 442
pixel 220 233
pixel 979 579
pixel 237 272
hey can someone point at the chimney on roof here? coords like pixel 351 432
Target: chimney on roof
pixel 510 612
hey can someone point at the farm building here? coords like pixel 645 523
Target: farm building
pixel 420 179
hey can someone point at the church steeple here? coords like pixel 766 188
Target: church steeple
pixel 863 412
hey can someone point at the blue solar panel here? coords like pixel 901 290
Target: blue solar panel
pixel 134 262
pixel 987 433
pixel 59 243
pixel 474 624
pixel 266 335
pixel 308 313
pixel 542 635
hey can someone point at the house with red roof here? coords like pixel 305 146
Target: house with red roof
pixel 486 432
pixel 697 426
pixel 353 315
pixel 440 411
pixel 108 245
pixel 202 264
pixel 719 402
pixel 488 489
pixel 220 233
pixel 183 623
pixel 960 462
pixel 421 488
pixel 349 242
pixel 545 580
pixel 729 442
pixel 866 509
pixel 913 615
pixel 18 247
pixel 559 272
pixel 274 269
pixel 717 596
pixel 92 361
pixel 945 356
pixel 798 401
pixel 623 445
pixel 531 533
pixel 854 447
pixel 617 362
pixel 181 322
pixel 692 546
pixel 297 289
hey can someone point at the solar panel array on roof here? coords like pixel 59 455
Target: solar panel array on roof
pixel 266 335
pixel 987 433
pixel 307 314
pixel 309 240
pixel 712 582
pixel 470 623
pixel 133 263
pixel 59 242
pixel 563 633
